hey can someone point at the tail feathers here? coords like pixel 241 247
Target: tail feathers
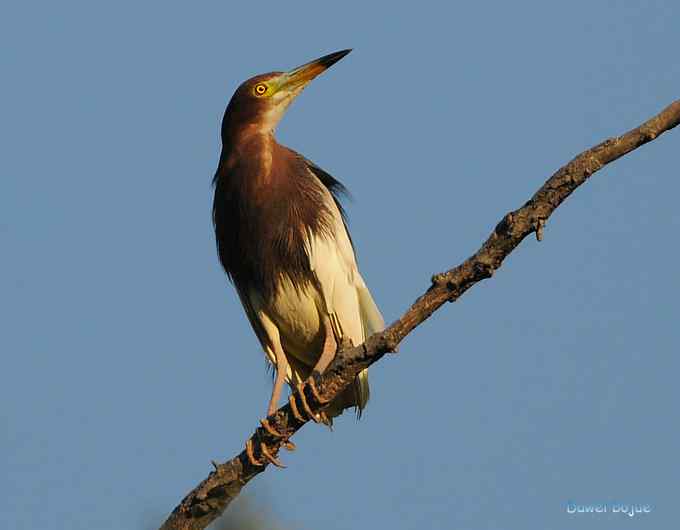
pixel 372 322
pixel 362 392
pixel 371 319
pixel 356 395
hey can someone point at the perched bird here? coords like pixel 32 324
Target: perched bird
pixel 282 239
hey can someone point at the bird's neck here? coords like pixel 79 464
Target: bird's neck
pixel 249 144
pixel 254 132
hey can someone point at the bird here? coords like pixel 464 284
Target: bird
pixel 282 238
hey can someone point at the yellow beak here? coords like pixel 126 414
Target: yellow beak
pixel 300 76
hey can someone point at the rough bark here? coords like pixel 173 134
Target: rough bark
pixel 210 498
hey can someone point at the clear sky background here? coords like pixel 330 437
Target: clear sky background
pixel 127 362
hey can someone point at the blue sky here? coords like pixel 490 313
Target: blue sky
pixel 127 362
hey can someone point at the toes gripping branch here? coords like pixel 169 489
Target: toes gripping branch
pixel 302 413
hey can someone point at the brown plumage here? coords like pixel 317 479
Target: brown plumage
pixel 282 239
pixel 280 204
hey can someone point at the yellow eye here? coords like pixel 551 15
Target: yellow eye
pixel 260 89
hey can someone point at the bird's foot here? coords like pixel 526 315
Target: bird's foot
pixel 265 453
pixel 315 391
pixel 319 417
pixel 271 430
pixel 286 443
pixel 268 453
pixel 296 412
pixel 323 418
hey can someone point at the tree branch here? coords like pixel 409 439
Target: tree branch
pixel 209 499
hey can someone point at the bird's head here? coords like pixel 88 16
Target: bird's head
pixel 259 103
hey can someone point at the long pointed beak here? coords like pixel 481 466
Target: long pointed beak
pixel 300 76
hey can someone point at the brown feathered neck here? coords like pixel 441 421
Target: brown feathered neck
pixel 268 201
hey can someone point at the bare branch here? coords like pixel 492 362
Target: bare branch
pixel 209 499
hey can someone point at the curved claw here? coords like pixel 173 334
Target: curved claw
pixel 271 458
pixel 325 419
pixel 251 456
pixel 271 430
pixel 285 442
pixel 315 392
pixel 305 405
pixel 293 406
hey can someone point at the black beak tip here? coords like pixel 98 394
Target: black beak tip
pixel 332 58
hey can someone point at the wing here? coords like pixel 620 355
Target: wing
pixel 259 326
pixel 347 299
pixel 335 188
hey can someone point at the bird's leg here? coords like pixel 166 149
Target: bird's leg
pixel 281 371
pixel 276 390
pixel 328 351
pixel 327 354
pixel 330 347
